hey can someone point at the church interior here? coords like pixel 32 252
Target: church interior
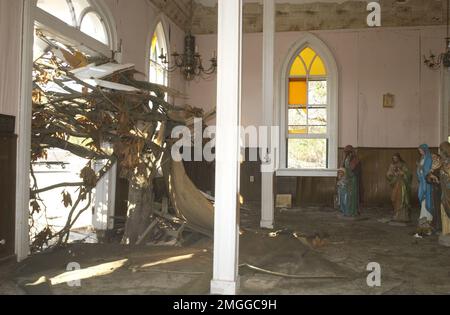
pixel 225 147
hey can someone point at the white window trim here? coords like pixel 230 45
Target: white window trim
pixel 333 102
pixel 60 28
pixel 163 37
pixel 164 23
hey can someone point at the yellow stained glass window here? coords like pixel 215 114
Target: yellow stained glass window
pixel 298 92
pixel 308 57
pixel 307 94
pixel 318 67
pixel 307 112
pixel 298 68
pixel 313 62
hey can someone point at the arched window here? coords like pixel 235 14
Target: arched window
pixel 74 19
pixel 158 70
pixel 310 115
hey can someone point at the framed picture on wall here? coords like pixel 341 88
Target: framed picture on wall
pixel 388 100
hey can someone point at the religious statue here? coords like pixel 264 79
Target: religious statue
pixel 445 186
pixel 436 193
pixel 424 167
pixel 425 192
pixel 342 195
pixel 400 178
pixel 352 166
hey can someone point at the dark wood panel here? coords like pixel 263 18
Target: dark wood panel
pixel 202 175
pixel 375 163
pixel 318 191
pixel 375 190
pixel 7 193
pixel 121 204
pixel 7 124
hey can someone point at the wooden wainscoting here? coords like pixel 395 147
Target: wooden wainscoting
pixel 319 191
pixel 375 190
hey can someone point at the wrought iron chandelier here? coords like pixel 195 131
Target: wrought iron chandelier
pixel 434 62
pixel 189 63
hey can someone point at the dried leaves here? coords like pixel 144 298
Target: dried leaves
pixel 89 177
pixel 42 239
pixel 67 199
pixel 35 207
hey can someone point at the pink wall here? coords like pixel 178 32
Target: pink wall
pixel 371 63
pixel 10 56
pixel 136 22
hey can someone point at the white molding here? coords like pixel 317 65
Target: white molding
pixel 308 39
pixel 306 173
pixel 268 88
pixel 226 214
pixel 22 242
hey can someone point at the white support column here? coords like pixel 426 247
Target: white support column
pixel 445 104
pixel 226 229
pixel 22 243
pixel 267 202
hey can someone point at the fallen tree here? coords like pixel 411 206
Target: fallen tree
pixel 97 110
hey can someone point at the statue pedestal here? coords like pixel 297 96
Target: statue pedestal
pixel 444 240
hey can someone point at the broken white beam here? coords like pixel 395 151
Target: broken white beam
pixel 99 72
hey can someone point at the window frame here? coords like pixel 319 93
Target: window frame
pixel 54 25
pixel 332 135
pixel 160 31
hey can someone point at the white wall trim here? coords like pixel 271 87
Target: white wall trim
pixel 306 173
pixel 308 39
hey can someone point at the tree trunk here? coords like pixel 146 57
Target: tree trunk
pixel 140 201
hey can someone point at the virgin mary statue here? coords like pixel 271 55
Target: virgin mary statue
pixel 424 167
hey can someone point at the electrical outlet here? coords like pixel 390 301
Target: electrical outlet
pixel 252 179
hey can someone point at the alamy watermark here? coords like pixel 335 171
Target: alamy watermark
pixel 374 18
pixel 190 144
pixel 74 266
pixel 374 277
